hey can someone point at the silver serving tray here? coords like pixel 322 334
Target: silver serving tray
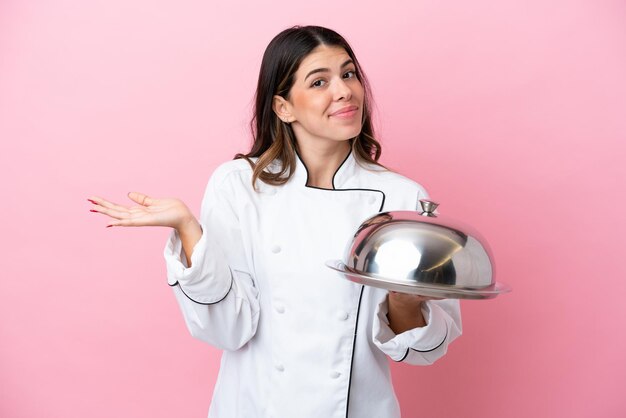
pixel 435 291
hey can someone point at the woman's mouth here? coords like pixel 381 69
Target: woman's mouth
pixel 345 112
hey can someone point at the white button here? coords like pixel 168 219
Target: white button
pixel 372 200
pixel 279 367
pixel 279 308
pixel 334 375
pixel 342 316
pixel 276 249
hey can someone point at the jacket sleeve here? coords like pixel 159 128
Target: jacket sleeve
pixel 217 294
pixel 424 345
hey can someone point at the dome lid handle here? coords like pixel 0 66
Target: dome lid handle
pixel 428 208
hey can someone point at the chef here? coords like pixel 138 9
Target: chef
pixel 299 341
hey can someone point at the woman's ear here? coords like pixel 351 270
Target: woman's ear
pixel 282 109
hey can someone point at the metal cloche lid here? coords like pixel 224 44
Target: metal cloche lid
pixel 420 253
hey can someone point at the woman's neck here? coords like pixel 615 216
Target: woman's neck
pixel 322 161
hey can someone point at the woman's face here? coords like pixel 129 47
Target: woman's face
pixel 326 99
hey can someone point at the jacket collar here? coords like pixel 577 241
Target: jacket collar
pixel 345 172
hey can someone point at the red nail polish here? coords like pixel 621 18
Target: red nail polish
pixel 108 226
pixel 89 200
pixel 91 210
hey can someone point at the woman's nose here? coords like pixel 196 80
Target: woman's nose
pixel 342 91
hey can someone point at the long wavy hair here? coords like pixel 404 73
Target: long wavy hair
pixel 273 139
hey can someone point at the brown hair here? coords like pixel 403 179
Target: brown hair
pixel 273 138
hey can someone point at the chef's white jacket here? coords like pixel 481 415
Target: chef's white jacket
pixel 299 340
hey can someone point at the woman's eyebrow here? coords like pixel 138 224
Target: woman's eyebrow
pixel 325 70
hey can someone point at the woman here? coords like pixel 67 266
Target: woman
pixel 249 276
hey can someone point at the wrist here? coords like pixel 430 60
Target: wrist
pixel 188 225
pixel 405 302
pixel 404 312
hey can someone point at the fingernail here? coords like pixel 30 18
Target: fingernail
pixel 89 200
pixel 91 210
pixel 108 226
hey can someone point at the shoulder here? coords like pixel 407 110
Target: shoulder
pixel 228 185
pixel 231 172
pixel 386 179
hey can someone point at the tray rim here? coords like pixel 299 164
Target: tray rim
pixel 426 290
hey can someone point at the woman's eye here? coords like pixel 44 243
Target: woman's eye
pixel 318 83
pixel 350 74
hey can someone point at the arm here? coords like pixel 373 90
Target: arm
pixel 210 277
pixel 189 233
pixel 205 261
pixel 419 345
pixel 415 329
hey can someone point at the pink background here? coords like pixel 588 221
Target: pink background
pixel 512 113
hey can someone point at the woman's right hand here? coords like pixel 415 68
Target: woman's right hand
pixel 150 211
pixel 170 212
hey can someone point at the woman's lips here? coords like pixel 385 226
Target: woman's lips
pixel 345 112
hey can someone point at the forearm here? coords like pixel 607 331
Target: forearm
pixel 421 345
pixel 405 312
pixel 190 233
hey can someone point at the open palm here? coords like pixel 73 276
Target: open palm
pixel 149 211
